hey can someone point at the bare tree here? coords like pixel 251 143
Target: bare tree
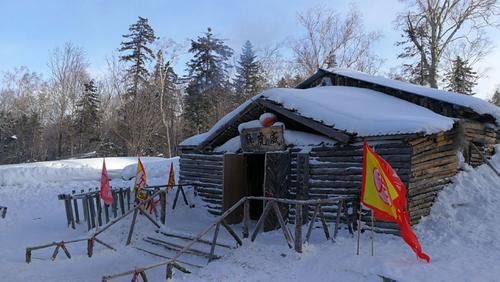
pixel 164 83
pixel 440 29
pixel 68 73
pixel 332 40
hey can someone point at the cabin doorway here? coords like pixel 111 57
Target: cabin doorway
pixel 255 175
pixel 255 168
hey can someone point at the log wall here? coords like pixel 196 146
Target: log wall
pixel 206 170
pixel 337 170
pixel 484 136
pixel 433 163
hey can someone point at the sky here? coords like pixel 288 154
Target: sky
pixel 29 30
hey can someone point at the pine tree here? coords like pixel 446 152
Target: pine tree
pixel 461 78
pixel 138 52
pixel 496 97
pixel 208 83
pixel 88 117
pixel 249 78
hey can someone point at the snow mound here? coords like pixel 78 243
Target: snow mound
pixel 70 170
pixel 467 210
pixel 157 167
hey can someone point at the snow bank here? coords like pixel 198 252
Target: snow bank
pixel 157 168
pixel 72 170
pixel 478 105
pixel 358 110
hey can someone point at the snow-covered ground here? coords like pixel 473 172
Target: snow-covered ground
pixel 460 235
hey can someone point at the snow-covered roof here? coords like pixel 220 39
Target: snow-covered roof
pixel 358 110
pixel 355 110
pixel 480 106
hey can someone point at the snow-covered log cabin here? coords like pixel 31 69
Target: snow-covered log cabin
pixel 313 146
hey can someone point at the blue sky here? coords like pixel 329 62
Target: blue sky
pixel 30 29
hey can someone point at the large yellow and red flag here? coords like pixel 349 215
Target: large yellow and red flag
pixel 140 181
pixel 171 177
pixel 384 192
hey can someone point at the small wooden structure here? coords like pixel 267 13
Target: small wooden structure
pixel 421 146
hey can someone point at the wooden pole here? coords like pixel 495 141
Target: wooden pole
pixel 75 204
pixel 485 159
pixel 285 230
pixel 214 242
pixel 246 218
pixel 298 228
pixel 134 218
pixel 372 233
pixel 359 229
pixel 261 220
pixel 311 224
pixel 163 207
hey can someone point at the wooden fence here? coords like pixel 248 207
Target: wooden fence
pixel 270 204
pixel 88 207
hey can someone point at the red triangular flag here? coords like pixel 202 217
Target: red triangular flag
pixel 105 192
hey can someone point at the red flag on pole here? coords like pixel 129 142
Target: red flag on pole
pixel 384 192
pixel 105 191
pixel 171 177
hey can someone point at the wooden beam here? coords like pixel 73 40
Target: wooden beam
pixel 315 125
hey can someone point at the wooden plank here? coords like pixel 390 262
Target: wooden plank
pixel 276 182
pixel 235 186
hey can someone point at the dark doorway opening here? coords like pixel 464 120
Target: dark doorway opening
pixel 255 166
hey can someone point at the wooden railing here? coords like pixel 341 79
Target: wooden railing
pixel 93 197
pixel 270 204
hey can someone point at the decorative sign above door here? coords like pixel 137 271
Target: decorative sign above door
pixel 262 139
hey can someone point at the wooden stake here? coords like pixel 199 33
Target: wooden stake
pixel 298 228
pixel 373 234
pixel 359 229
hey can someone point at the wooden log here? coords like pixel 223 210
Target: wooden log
pixel 246 218
pixel 75 205
pixel 337 221
pixel 311 223
pixel 163 206
pixel 189 238
pixel 121 197
pixel 92 214
pixel 214 242
pixel 298 228
pixel 114 205
pixel 99 209
pixel 131 230
pixel 231 232
pixel 261 220
pixel 178 248
pixel 285 230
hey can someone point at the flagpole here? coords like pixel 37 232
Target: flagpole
pixel 372 235
pixel 359 228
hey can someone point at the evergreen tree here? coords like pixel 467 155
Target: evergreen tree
pixel 88 117
pixel 138 52
pixel 461 78
pixel 208 84
pixel 249 78
pixel 496 98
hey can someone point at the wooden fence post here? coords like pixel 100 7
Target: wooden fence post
pixel 122 202
pixel 163 206
pixel 90 199
pixel 298 228
pixel 99 209
pixel 75 205
pixel 246 218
